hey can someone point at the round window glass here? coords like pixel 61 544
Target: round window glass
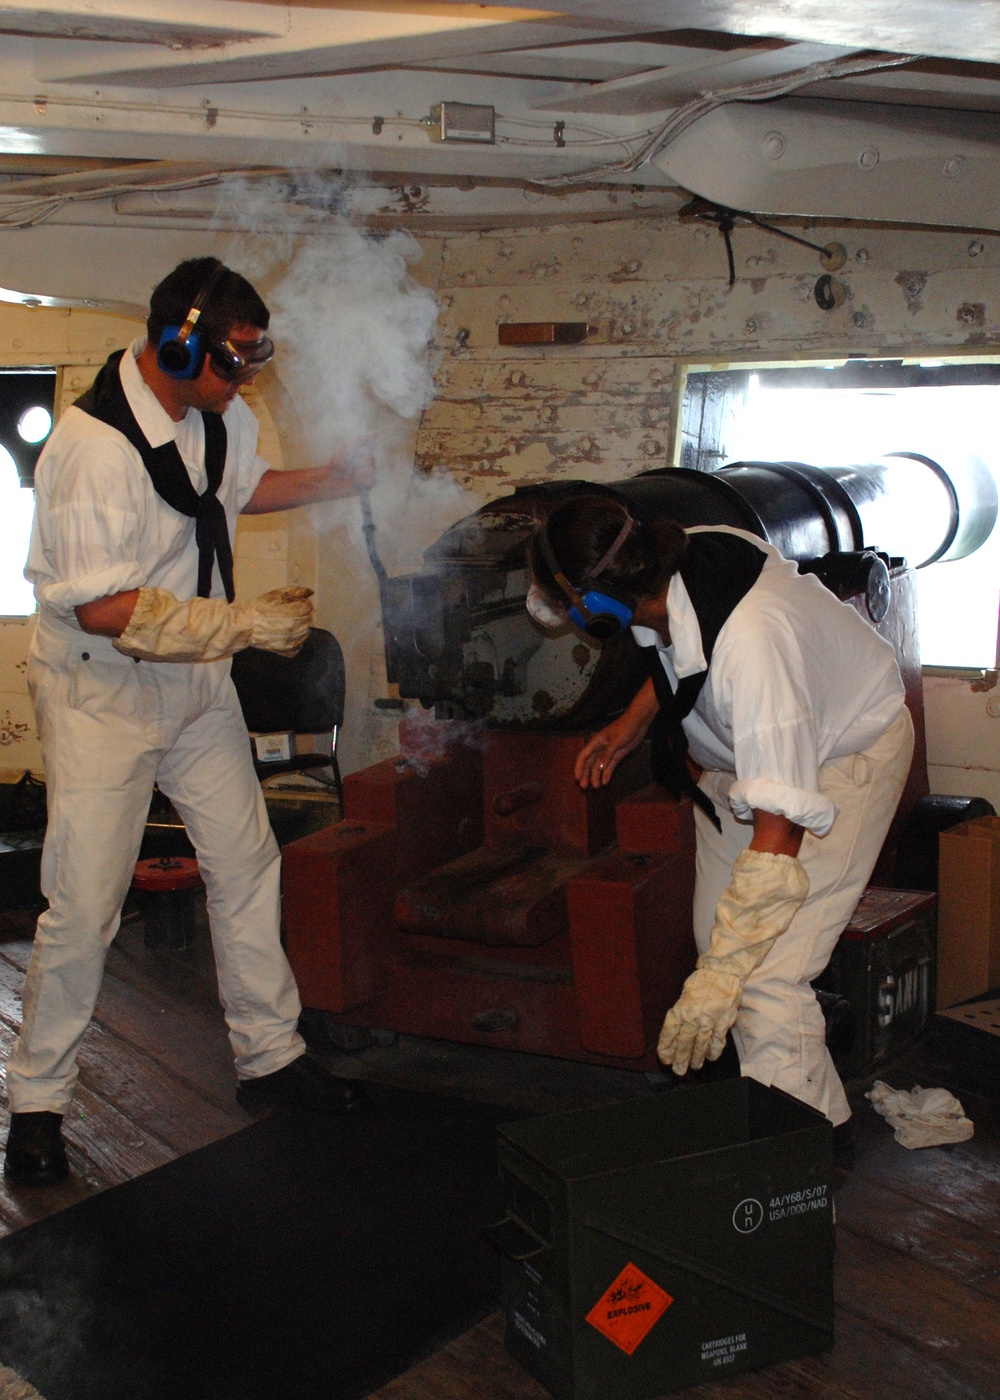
pixel 35 424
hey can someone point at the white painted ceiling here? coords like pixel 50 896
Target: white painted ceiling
pixel 134 112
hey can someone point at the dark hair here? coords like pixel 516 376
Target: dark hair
pixel 233 301
pixel 582 530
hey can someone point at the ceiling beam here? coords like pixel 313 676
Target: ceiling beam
pixel 843 160
pixel 181 25
pixel 661 89
pixel 967 29
pixel 320 42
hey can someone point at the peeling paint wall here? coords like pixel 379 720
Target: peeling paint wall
pixel 657 293
pixel 19 747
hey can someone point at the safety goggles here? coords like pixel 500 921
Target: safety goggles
pixel 239 361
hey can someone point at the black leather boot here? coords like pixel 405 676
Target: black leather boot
pixel 302 1084
pixel 35 1153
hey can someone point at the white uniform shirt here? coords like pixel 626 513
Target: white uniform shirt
pixel 100 527
pixel 797 678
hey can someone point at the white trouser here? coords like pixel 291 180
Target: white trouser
pixel 109 729
pixel 780 1032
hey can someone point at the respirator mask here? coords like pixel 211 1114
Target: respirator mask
pixel 601 610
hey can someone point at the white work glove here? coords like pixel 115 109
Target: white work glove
pixel 762 899
pixel 165 628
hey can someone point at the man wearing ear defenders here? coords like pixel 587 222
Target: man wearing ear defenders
pixel 137 494
pixel 781 713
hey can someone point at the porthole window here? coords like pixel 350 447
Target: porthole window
pixel 27 400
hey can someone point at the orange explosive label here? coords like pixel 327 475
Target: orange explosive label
pixel 629 1309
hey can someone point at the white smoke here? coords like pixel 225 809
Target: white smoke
pixel 426 742
pixel 354 332
pixel 356 352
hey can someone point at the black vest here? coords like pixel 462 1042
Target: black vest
pixel 718 570
pixel 106 400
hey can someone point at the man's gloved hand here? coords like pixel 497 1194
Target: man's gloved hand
pixel 165 628
pixel 765 893
pixel 697 1024
pixel 281 619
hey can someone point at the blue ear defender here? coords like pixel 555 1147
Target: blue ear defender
pixel 603 615
pixel 602 611
pixel 180 353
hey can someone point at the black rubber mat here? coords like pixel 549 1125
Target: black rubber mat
pixel 302 1258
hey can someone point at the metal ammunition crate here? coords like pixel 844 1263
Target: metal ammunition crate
pixel 667 1241
pixel 884 966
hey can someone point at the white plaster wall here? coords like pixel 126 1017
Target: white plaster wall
pixel 658 295
pixel 963 737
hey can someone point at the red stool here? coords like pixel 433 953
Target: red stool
pixel 166 889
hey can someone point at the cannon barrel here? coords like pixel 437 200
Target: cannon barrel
pixel 458 636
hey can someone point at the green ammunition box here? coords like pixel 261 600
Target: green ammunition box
pixel 884 966
pixel 667 1241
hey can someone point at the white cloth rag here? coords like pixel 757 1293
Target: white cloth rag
pixel 921 1117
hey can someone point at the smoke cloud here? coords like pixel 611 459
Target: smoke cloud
pixel 425 741
pixel 355 331
pixel 356 356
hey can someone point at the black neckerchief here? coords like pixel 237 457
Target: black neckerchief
pixel 106 400
pixel 718 570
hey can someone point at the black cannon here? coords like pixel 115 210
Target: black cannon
pixel 458 637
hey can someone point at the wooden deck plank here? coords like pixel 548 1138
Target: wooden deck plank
pixel 870 1363
pixel 140 1087
pixel 115 1148
pixel 189 974
pixel 156 1078
pixel 961 1179
pixel 178 1034
pixel 908 1299
pixel 916 1228
pixel 20 1206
